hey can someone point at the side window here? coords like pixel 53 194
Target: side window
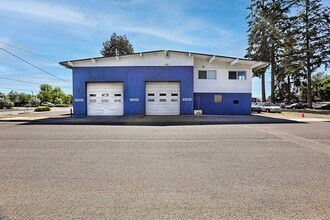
pixel 202 74
pixel 235 101
pixel 241 75
pixel 217 98
pixel 232 75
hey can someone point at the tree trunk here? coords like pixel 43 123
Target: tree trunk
pixel 289 89
pixel 309 72
pixel 272 63
pixel 263 89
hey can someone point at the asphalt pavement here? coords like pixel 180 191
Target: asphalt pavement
pixel 225 171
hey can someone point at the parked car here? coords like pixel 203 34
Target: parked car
pixel 297 106
pixel 256 108
pixel 284 104
pixel 47 104
pixel 269 107
pixel 321 105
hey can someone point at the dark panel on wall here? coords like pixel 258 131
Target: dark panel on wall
pixel 134 79
pixel 232 103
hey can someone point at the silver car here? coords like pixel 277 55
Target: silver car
pixel 269 107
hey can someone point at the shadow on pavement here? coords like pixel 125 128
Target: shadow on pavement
pixel 159 120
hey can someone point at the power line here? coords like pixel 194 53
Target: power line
pixel 27 51
pixel 17 89
pixel 35 66
pixel 29 82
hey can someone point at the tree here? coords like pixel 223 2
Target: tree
pixel 258 41
pixel 34 101
pixel 68 99
pixel 57 93
pixel 13 96
pixel 117 45
pixel 24 98
pixel 325 89
pixel 313 33
pixel 317 80
pixel 45 94
pixel 58 101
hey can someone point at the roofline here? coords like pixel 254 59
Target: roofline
pixel 66 63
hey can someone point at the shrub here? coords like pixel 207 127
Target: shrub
pixel 42 108
pixel 34 101
pixel 58 101
pixel 62 105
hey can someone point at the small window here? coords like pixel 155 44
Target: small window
pixel 174 94
pixel 105 100
pixel 105 95
pixel 151 100
pixel 117 100
pixel 232 75
pixel 151 94
pixel 162 94
pixel 174 100
pixel 217 98
pixel 92 95
pixel 207 74
pixel 162 100
pixel 241 75
pixel 117 94
pixel 202 74
pixel 92 100
pixel 235 101
pixel 212 74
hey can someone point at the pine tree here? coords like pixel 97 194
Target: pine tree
pixel 117 45
pixel 313 33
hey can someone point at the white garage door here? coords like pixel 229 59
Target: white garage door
pixel 162 98
pixel 105 99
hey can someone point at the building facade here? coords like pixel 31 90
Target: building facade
pixel 162 82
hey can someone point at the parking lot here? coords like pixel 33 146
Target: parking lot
pixel 227 171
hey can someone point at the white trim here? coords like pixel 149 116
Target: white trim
pixel 212 59
pixel 234 62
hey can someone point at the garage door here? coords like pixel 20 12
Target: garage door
pixel 162 98
pixel 105 99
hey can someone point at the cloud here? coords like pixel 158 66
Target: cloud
pixel 44 10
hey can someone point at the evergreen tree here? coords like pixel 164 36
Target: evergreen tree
pixel 313 32
pixel 117 45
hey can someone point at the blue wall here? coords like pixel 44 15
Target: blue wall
pixel 205 102
pixel 134 79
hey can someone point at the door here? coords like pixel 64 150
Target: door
pixel 162 98
pixel 105 98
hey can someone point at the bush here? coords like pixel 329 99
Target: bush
pixel 58 101
pixel 62 105
pixel 34 101
pixel 42 108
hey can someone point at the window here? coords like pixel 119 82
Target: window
pixel 151 100
pixel 235 101
pixel 162 100
pixel 92 95
pixel 217 98
pixel 174 100
pixel 207 74
pixel 105 100
pixel 151 94
pixel 240 75
pixel 92 100
pixel 105 95
pixel 202 75
pixel 162 94
pixel 117 94
pixel 117 100
pixel 174 94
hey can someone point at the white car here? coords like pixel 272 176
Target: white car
pixel 269 107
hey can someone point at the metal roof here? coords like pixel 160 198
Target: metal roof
pixel 198 55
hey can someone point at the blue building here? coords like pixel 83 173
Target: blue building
pixel 163 82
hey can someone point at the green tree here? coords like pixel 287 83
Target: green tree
pixel 45 94
pixel 317 80
pixel 34 101
pixel 117 45
pixel 324 89
pixel 313 32
pixel 68 99
pixel 13 96
pixel 24 98
pixel 58 101
pixel 58 93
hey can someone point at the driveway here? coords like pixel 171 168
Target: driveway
pixel 242 171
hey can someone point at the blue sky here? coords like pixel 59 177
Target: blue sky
pixel 65 30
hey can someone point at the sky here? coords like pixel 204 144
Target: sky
pixel 53 31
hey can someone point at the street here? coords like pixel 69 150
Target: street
pixel 240 171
